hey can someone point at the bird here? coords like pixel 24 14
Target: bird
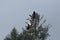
pixel 33 15
pixel 28 27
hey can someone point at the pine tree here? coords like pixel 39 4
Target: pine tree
pixel 12 35
pixel 7 38
pixel 35 30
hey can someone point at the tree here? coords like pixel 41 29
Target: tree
pixel 13 35
pixel 7 38
pixel 35 30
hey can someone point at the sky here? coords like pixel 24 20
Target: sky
pixel 13 13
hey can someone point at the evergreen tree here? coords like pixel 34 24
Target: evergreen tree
pixel 13 35
pixel 35 30
pixel 7 38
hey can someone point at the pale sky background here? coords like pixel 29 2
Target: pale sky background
pixel 15 12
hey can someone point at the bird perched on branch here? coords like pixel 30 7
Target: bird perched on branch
pixel 28 27
pixel 33 15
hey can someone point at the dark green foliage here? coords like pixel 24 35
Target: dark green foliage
pixel 13 35
pixel 35 29
pixel 19 37
pixel 7 38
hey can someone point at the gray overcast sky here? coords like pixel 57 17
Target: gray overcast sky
pixel 14 13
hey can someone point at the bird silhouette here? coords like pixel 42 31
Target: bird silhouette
pixel 33 15
pixel 28 27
